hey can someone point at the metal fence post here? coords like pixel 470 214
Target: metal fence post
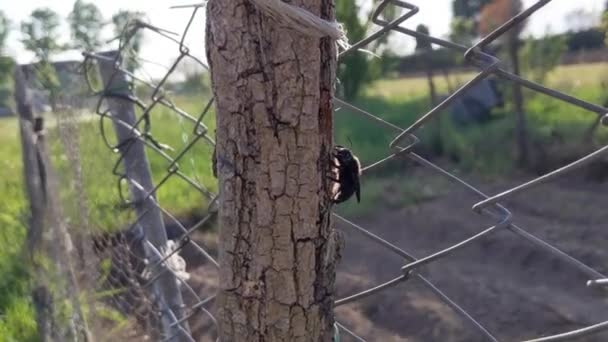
pixel 138 174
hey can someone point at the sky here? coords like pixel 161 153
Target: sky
pixel 434 13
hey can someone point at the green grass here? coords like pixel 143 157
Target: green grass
pixel 16 315
pixel 97 160
pixel 565 78
pixel 485 148
pixel 556 129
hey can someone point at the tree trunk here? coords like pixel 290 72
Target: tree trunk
pixel 431 82
pixel 273 89
pixel 518 103
pixel 448 81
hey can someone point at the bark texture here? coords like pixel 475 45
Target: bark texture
pixel 273 88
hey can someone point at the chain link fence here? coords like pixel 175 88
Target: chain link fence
pixel 405 140
pixel 147 256
pixel 160 270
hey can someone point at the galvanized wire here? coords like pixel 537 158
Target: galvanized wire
pixel 488 206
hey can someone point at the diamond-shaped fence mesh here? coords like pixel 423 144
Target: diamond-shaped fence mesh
pixel 152 269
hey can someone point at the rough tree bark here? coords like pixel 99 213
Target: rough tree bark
pixel 277 253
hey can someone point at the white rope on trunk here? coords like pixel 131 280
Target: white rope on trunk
pixel 302 20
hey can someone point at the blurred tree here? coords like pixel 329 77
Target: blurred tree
pixel 86 24
pixel 462 31
pixel 465 18
pixel 604 24
pixel 353 70
pixel 124 28
pixel 5 28
pixel 425 47
pixel 585 40
pixel 468 8
pixel 40 36
pixel 540 56
pixel 493 15
pixel 357 69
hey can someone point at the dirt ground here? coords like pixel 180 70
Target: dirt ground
pixel 513 288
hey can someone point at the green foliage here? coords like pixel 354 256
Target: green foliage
pixel 97 161
pixel 40 34
pixel 5 28
pixel 541 56
pixel 358 68
pixel 41 37
pixel 17 321
pixel 485 148
pixel 388 64
pixel 465 16
pixel 371 140
pixel 6 67
pixel 86 24
pixel 48 78
pixel 605 26
pixel 586 39
pixel 462 31
pixel 17 324
pixel 353 71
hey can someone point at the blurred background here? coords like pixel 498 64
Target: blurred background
pixel 496 136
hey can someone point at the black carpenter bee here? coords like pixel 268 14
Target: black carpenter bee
pixel 346 170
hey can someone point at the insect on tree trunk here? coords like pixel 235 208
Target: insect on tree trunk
pixel 277 255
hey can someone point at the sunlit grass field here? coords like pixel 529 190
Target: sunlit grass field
pixel 488 150
pixel 565 77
